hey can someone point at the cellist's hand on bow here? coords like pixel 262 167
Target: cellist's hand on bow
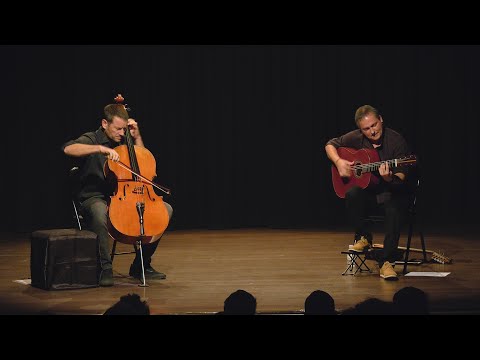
pixel 135 132
pixel 110 153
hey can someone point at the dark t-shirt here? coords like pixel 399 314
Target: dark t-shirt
pixel 90 178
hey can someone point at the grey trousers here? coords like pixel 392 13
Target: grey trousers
pixel 95 211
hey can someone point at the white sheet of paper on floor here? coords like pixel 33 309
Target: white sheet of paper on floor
pixel 427 273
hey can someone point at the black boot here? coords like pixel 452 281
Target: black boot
pixel 106 278
pixel 150 272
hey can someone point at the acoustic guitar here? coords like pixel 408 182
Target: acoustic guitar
pixel 365 162
pixel 437 257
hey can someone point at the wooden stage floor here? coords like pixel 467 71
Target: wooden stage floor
pixel 279 267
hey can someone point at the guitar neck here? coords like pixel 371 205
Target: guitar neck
pixel 380 246
pixel 375 165
pixel 440 258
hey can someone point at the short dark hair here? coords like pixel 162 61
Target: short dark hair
pixel 130 304
pixel 411 301
pixel 363 111
pixel 240 302
pixel 319 303
pixel 112 110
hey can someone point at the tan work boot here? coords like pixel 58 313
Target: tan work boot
pixel 361 245
pixel 387 272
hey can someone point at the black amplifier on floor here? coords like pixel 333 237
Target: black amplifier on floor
pixel 64 259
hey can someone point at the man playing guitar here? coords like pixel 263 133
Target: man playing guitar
pixel 389 188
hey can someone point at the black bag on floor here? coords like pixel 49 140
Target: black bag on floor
pixel 64 259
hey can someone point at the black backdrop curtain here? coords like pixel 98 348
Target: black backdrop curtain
pixel 238 131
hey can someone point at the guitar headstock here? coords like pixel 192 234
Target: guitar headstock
pixel 407 160
pixel 441 258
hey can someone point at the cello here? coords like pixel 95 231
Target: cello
pixel 136 214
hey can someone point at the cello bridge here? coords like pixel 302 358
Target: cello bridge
pixel 138 190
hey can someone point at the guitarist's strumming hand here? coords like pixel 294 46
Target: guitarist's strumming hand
pixel 344 167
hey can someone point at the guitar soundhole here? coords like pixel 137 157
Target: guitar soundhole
pixel 358 171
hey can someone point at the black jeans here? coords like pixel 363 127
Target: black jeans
pixel 95 211
pixel 363 202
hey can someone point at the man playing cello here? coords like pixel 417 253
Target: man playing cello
pixel 92 150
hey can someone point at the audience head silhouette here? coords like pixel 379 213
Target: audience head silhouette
pixel 372 306
pixel 130 304
pixel 240 302
pixel 319 303
pixel 411 301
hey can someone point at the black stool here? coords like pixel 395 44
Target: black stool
pixel 356 262
pixel 64 259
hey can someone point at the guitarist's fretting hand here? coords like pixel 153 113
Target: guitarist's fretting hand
pixel 387 175
pixel 344 167
pixel 385 172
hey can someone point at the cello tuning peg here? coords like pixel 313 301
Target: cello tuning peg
pixel 119 98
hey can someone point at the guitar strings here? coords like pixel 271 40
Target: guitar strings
pixel 372 166
pixel 376 165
